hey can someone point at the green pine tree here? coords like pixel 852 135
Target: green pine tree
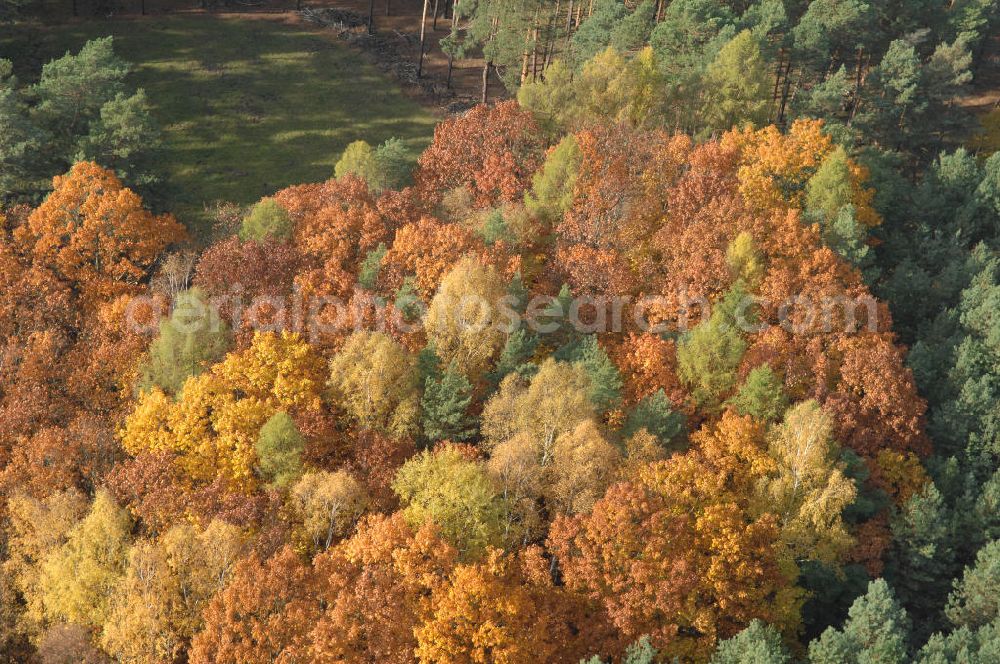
pixel 594 34
pixel 393 165
pixel 370 266
pixel 759 643
pixel 20 141
pixel 495 228
pixel 762 396
pixel 407 301
pixel 921 563
pixel 687 39
pixel 445 405
pixel 428 364
pixel 71 92
pixel 877 630
pixel 515 356
pixel 978 646
pixel 632 32
pixel 655 413
pixel 85 110
pixel 975 600
pixel 126 139
pixel 605 381
pixel 503 30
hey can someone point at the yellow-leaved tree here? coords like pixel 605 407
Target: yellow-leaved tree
pixel 584 463
pixel 327 505
pixel 456 493
pixel 680 552
pixel 157 606
pixel 37 529
pixel 775 167
pixel 374 379
pixel 214 424
pixel 77 580
pixel 554 402
pixel 464 320
pixel 808 490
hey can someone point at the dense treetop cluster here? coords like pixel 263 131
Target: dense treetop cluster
pixel 749 412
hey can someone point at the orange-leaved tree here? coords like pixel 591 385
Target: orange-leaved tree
pixel 96 233
pixel 491 151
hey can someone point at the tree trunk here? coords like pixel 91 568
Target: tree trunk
pixel 858 80
pixel 488 63
pixel 784 92
pixel 486 81
pixel 550 36
pixel 423 34
pixel 791 95
pixel 371 17
pixel 534 57
pixel 74 8
pixel 528 48
pixel 387 2
pixel 434 22
pixel 775 101
pixel 569 21
pixel 454 31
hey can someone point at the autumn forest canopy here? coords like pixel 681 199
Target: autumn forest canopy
pixel 683 346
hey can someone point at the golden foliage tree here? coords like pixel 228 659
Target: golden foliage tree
pixel 374 380
pixel 213 427
pixel 78 579
pixel 454 492
pixel 809 490
pixel 265 613
pixel 499 610
pixel 157 606
pixel 328 505
pixel 552 403
pixel 680 553
pixel 375 588
pixel 464 321
pixel 38 528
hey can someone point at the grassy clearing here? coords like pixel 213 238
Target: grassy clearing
pixel 247 105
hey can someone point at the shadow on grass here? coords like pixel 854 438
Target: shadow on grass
pixel 247 106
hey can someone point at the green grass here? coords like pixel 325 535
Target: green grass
pixel 247 106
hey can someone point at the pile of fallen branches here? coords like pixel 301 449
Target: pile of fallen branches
pixel 393 52
pixel 329 17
